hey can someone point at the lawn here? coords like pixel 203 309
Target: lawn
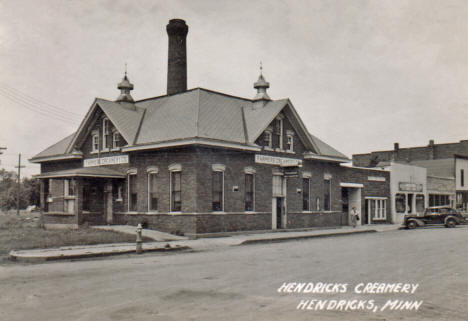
pixel 23 232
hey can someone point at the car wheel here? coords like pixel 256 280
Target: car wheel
pixel 450 223
pixel 411 225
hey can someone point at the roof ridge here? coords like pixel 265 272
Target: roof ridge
pixel 166 95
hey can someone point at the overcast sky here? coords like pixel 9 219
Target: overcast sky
pixel 361 74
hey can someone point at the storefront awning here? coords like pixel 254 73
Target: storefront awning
pixel 352 185
pixel 97 172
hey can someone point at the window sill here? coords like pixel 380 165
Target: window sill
pixel 69 197
pixel 250 212
pixel 218 212
pixel 131 213
pixel 119 200
pixel 117 149
pixel 175 212
pixel 152 213
pixel 290 152
pixel 379 219
pixel 94 152
pixel 268 148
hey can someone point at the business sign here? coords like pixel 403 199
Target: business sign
pixel 279 161
pixel 111 160
pixel 376 178
pixel 410 187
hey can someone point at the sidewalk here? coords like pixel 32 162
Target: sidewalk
pixel 180 243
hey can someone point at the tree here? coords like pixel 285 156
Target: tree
pixel 30 191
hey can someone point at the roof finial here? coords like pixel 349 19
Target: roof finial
pixel 125 69
pixel 261 69
pixel 261 85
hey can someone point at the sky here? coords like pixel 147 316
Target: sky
pixel 361 74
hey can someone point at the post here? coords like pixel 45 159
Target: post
pixel 19 185
pixel 139 241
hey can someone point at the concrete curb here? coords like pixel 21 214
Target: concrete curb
pixel 301 237
pixel 28 257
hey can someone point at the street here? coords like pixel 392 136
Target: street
pixel 241 283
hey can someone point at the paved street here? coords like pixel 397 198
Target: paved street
pixel 240 283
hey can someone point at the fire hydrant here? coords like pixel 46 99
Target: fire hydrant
pixel 139 240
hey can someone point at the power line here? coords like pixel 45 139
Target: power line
pixel 35 100
pixel 39 111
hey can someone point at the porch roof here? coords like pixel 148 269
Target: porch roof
pixel 100 172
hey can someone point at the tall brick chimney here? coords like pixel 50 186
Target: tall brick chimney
pixel 177 57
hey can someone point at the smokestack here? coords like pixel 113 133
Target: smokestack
pixel 177 57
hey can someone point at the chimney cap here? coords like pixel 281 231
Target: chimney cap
pixel 177 27
pixel 396 146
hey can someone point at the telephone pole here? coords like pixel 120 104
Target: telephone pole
pixel 19 184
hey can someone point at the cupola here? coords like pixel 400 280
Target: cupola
pixel 261 98
pixel 125 87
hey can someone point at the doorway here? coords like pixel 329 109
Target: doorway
pixel 279 212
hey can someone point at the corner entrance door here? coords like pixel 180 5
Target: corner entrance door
pixel 279 212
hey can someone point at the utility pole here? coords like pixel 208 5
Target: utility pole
pixel 19 184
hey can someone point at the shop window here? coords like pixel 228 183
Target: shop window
pixel 152 191
pixel 95 142
pixel 326 194
pixel 420 203
pixel 132 192
pixel 439 200
pixel 176 191
pixel 115 140
pixel 249 192
pixel 306 194
pixel 400 203
pixel 217 191
pixel 377 208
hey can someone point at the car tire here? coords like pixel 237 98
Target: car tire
pixel 450 223
pixel 411 225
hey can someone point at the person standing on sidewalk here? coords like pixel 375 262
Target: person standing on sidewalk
pixel 354 216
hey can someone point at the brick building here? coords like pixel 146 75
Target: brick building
pixel 197 161
pixel 446 166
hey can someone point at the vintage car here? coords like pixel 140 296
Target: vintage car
pixel 436 215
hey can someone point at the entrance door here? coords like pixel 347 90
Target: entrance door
pixel 279 212
pixel 354 200
pixel 108 202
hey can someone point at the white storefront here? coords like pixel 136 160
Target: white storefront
pixel 408 190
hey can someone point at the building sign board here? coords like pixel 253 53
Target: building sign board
pixel 376 178
pixel 110 160
pixel 410 187
pixel 291 173
pixel 279 161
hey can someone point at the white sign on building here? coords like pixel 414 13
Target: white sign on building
pixel 110 160
pixel 279 161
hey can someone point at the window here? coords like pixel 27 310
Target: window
pixel 462 177
pixel 278 186
pixel 132 192
pixel 326 194
pixel 152 191
pixel 69 187
pixel 400 203
pixel 439 200
pixel 419 203
pixel 377 208
pixel 289 143
pixel 95 142
pixel 217 190
pixel 306 194
pixel 249 192
pixel 268 139
pixel 115 140
pixel 105 134
pixel 279 131
pixel 176 195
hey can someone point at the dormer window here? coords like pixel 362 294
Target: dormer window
pixel 95 141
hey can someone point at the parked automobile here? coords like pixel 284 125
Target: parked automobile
pixel 435 215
